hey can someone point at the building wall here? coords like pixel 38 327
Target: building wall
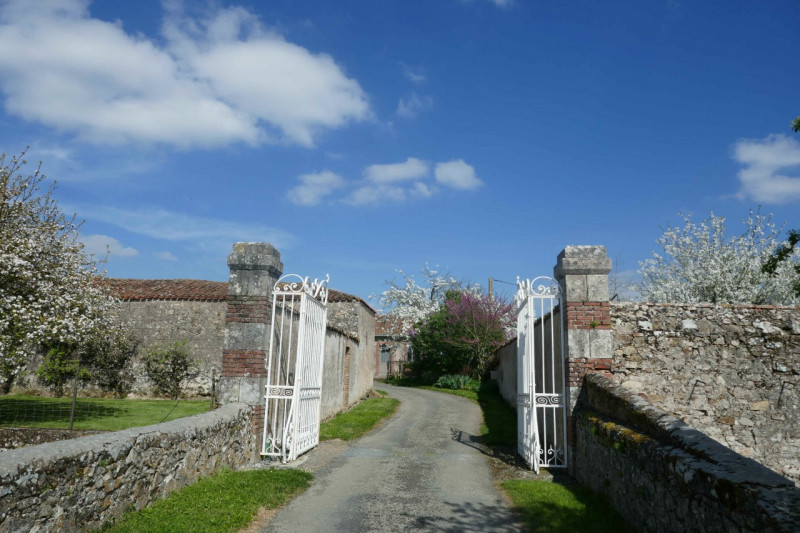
pixel 163 322
pixel 398 349
pixel 362 361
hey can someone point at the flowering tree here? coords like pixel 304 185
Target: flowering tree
pixel 701 263
pixel 463 334
pixel 48 290
pixel 412 302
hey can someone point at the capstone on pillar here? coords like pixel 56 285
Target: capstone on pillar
pixel 254 269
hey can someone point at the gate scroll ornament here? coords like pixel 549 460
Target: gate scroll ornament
pixel 541 413
pixel 293 393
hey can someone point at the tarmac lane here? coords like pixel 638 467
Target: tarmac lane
pixel 419 471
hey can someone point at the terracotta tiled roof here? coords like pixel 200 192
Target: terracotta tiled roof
pixel 389 325
pixel 191 289
pixel 339 296
pixel 168 289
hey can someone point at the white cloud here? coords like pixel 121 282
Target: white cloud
pixel 101 245
pixel 314 187
pixel 415 75
pixel 217 80
pixel 423 190
pixel 165 256
pixel 457 174
pixel 411 169
pixel 411 107
pixel 375 194
pixel 767 163
pixel 161 224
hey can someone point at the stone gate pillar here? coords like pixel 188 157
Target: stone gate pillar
pixel 254 270
pixel 582 274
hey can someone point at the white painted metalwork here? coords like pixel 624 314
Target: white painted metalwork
pixel 293 396
pixel 541 413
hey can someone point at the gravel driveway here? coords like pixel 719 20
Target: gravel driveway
pixel 419 471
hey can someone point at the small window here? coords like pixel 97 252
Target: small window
pixel 386 353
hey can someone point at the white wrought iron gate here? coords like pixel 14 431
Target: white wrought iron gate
pixel 541 413
pixel 294 367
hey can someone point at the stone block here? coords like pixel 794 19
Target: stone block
pixel 246 336
pixel 590 343
pixel 597 287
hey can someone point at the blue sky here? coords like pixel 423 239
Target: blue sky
pixel 363 137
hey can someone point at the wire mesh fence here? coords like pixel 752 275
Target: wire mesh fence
pixel 81 405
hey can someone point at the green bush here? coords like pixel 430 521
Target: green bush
pixel 111 357
pixel 168 367
pixel 457 382
pixel 60 365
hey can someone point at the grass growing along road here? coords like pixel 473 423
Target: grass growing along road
pixel 229 501
pixel 93 413
pixel 226 501
pixel 354 423
pixel 548 507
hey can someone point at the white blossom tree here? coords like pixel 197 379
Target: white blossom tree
pixel 412 302
pixel 49 290
pixel 700 263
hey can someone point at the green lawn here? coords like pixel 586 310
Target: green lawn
pixel 224 502
pixel 354 423
pixel 93 413
pixel 548 507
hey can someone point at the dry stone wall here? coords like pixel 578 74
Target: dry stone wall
pixel 78 484
pixel 664 475
pixel 731 371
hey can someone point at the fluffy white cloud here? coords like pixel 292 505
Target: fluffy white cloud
pixel 217 80
pixel 411 107
pixel 457 174
pixel 767 163
pixel 411 169
pixel 101 245
pixel 314 187
pixel 371 194
pixel 166 225
pixel 165 256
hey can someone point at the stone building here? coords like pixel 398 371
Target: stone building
pixel 392 346
pixel 164 311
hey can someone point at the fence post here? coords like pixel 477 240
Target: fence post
pixel 582 273
pixel 254 270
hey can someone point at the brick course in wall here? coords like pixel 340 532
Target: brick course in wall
pixel 243 363
pixel 247 309
pixel 587 315
pixel 580 366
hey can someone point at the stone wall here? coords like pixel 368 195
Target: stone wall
pixel 78 484
pixel 201 325
pixel 731 371
pixel 506 372
pixel 664 475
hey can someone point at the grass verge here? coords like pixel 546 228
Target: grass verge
pixel 548 507
pixel 93 413
pixel 354 423
pixel 226 501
